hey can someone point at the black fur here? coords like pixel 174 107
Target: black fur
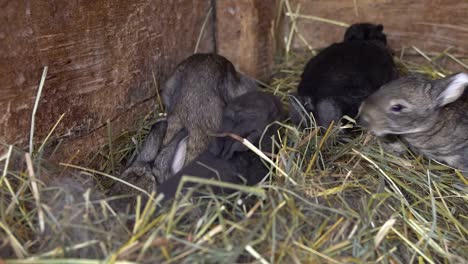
pixel 366 32
pixel 339 78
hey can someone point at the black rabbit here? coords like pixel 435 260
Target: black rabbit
pixel 336 81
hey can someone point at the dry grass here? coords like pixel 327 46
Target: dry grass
pixel 347 201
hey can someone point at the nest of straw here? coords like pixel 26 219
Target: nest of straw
pixel 330 198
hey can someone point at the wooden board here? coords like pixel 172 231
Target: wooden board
pixel 101 57
pixel 102 54
pixel 244 34
pixel 430 25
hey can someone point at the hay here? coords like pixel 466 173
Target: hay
pixel 353 203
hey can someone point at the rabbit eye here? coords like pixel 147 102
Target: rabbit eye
pixel 397 108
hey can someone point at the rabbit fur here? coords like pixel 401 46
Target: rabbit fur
pixel 431 116
pixel 195 96
pixel 336 81
pixel 228 160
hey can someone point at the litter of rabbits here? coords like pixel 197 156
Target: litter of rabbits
pixel 331 197
pixel 352 203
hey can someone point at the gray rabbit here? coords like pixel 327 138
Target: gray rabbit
pixel 228 160
pixel 429 115
pixel 195 96
pixel 162 168
pixel 154 164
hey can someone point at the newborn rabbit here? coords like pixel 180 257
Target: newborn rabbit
pixel 430 116
pixel 227 159
pixel 336 81
pixel 195 96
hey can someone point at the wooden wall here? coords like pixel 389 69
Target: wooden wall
pixel 430 25
pixel 245 34
pixel 101 57
pixel 102 54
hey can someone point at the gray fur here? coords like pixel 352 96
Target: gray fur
pixel 165 165
pixel 151 145
pixel 228 160
pixel 154 163
pixel 329 111
pixel 139 171
pixel 195 95
pixel 433 118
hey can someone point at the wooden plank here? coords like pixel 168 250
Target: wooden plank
pixel 101 57
pixel 430 25
pixel 244 34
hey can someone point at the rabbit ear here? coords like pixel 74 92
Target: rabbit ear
pixel 455 87
pixel 152 144
pixel 179 156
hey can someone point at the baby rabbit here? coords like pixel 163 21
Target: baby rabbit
pixel 429 115
pixel 142 163
pixel 154 164
pixel 336 81
pixel 227 159
pixel 195 96
pixel 366 32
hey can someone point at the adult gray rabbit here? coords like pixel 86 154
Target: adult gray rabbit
pixel 336 81
pixel 195 96
pixel 431 116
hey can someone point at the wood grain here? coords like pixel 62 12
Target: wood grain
pixel 430 25
pixel 101 57
pixel 244 34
